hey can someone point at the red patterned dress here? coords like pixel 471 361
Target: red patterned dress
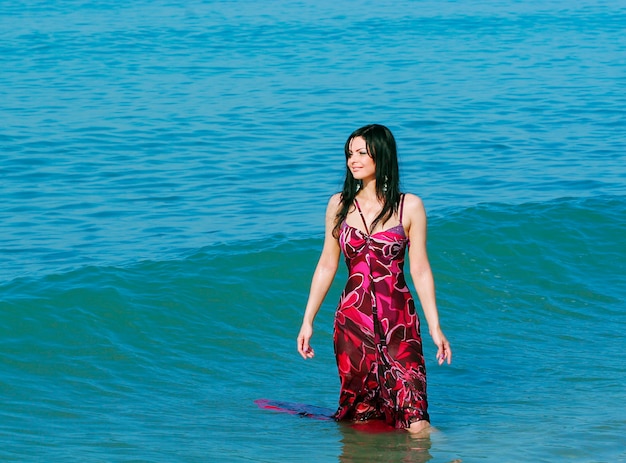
pixel 377 334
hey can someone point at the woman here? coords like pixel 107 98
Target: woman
pixel 377 333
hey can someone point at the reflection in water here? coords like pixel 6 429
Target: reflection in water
pixel 361 446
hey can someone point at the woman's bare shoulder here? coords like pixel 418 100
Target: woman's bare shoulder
pixel 334 203
pixel 335 199
pixel 414 218
pixel 413 202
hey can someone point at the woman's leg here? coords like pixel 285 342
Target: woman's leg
pixel 420 428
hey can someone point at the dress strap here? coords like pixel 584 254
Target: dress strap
pixel 401 207
pixel 362 218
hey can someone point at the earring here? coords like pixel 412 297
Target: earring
pixel 358 185
pixel 385 185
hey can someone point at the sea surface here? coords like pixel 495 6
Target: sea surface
pixel 164 170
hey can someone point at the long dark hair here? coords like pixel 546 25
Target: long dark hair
pixel 381 147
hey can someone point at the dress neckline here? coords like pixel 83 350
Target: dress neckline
pixel 400 231
pixel 390 229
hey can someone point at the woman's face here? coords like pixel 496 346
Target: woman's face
pixel 360 162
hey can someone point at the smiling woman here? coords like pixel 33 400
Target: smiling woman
pixel 360 163
pixel 377 336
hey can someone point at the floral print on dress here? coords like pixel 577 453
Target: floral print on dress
pixel 377 338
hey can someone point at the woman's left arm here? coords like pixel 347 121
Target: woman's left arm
pixel 415 223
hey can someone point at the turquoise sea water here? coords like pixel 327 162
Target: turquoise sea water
pixel 165 169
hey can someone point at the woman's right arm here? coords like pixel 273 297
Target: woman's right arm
pixel 322 278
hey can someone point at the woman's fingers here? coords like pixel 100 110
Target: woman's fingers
pixel 304 338
pixel 444 353
pixel 306 351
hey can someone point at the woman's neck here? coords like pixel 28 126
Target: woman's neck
pixel 368 191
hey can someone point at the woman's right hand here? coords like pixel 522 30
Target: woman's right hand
pixel 304 348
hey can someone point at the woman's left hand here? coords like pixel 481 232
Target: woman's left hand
pixel 444 352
